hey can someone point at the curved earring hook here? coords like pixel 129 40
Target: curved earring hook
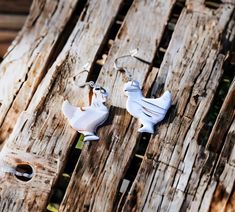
pixel 90 83
pixel 120 68
pixel 85 69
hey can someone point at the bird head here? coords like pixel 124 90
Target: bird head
pixel 132 87
pixel 100 93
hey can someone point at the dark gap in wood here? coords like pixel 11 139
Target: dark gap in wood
pixel 122 195
pixel 108 41
pixel 167 34
pixel 156 90
pixel 145 137
pixel 216 105
pixel 212 4
pixel 132 171
pixel 62 183
pixel 62 39
pixel 143 144
pixel 65 34
pixel 228 48
pixel 63 180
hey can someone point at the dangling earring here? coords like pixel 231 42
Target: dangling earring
pixel 86 119
pixel 149 111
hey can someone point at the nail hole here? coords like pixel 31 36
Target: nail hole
pixel 24 172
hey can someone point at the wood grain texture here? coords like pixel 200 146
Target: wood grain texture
pixel 101 166
pixel 42 136
pixel 27 59
pixel 223 121
pixel 224 174
pixel 176 170
pixel 134 35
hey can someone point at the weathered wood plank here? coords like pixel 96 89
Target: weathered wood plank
pixel 124 43
pixel 223 121
pixel 189 71
pixel 28 56
pixel 213 155
pixel 42 132
pixel 101 166
pixel 12 22
pixel 223 178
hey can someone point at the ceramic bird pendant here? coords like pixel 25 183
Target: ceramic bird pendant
pixel 86 119
pixel 149 111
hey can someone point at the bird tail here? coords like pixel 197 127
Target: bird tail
pixel 167 98
pixel 68 110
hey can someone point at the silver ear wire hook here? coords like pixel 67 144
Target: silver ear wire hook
pixel 85 69
pixel 120 68
pixel 133 55
pixel 90 83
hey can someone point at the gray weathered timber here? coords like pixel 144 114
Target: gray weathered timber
pixel 176 170
pixel 180 170
pixel 42 136
pixel 27 59
pixel 101 167
pixel 222 142
pixel 224 175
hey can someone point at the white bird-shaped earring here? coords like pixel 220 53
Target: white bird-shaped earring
pixel 148 111
pixel 86 119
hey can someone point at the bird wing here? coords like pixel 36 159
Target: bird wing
pixel 153 106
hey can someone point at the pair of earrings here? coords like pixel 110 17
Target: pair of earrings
pixel 148 111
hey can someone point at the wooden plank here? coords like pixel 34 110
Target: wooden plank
pixel 15 6
pixel 223 121
pixel 7 36
pixel 42 136
pixel 12 22
pixel 102 165
pixel 230 207
pixel 29 56
pixel 124 43
pixel 224 173
pixel 189 71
